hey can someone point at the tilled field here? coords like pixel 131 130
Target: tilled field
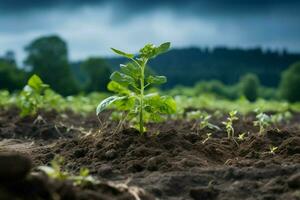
pixel 170 161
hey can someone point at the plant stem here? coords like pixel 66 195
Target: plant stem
pixel 142 97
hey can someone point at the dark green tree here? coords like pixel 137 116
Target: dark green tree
pixel 11 78
pixel 48 58
pixel 98 72
pixel 289 87
pixel 250 86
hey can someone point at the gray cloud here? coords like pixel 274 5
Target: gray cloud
pixel 230 7
pixel 92 26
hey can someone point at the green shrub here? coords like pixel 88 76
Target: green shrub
pixel 48 58
pixel 11 78
pixel 250 86
pixel 290 83
pixel 98 72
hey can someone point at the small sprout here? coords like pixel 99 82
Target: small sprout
pixel 242 136
pixel 130 83
pixel 263 122
pixel 205 123
pixel 204 118
pixel 229 124
pixel 208 136
pixel 273 149
pixel 83 178
pixel 55 171
pixel 31 97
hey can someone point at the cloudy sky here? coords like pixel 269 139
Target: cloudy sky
pixel 91 27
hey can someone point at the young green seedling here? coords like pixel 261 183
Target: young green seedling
pixel 273 149
pixel 55 171
pixel 130 83
pixel 31 98
pixel 262 121
pixel 203 119
pixel 208 136
pixel 242 136
pixel 205 123
pixel 229 124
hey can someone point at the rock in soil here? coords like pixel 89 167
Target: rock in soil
pixel 203 193
pixel 13 167
pixel 294 181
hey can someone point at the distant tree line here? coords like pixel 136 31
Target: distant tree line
pixel 48 58
pixel 188 66
pixel 225 72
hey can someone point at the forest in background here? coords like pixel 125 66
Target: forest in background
pixel 222 71
pixel 191 65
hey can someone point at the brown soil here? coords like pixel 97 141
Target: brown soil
pixel 170 161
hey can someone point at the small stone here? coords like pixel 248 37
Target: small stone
pixel 135 166
pixel 14 167
pixel 105 171
pixel 260 164
pixel 111 154
pixel 153 163
pixel 79 153
pixel 229 173
pixel 203 193
pixel 294 181
pixel 156 191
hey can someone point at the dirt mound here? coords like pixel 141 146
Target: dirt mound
pixel 170 161
pixel 45 125
pixel 18 183
pixel 130 152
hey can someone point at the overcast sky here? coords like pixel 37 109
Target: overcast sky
pixel 91 27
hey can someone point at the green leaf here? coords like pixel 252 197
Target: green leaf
pixel 36 83
pixel 132 70
pixel 163 105
pixel 122 79
pixel 156 117
pixel 117 88
pixel 106 102
pixel 48 170
pixel 84 172
pixel 121 53
pixel 163 48
pixel 156 79
pixel 148 51
pixel 169 105
pixel 126 103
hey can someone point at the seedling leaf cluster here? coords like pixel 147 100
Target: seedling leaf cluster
pixel 229 124
pixel 31 98
pixel 55 171
pixel 130 84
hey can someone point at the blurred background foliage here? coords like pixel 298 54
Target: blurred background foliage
pixel 222 72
